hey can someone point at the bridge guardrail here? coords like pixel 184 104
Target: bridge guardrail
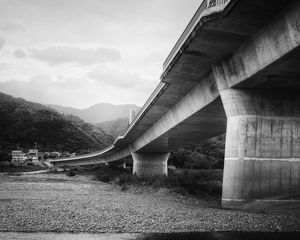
pixel 205 5
pixel 214 3
pixel 209 5
pixel 158 90
pixel 88 155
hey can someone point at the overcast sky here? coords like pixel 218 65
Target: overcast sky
pixel 81 52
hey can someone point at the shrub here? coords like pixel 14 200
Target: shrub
pixel 71 173
pixel 199 182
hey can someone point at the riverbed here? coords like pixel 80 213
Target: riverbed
pixel 61 204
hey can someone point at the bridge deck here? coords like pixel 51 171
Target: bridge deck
pixel 214 37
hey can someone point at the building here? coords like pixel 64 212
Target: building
pixel 17 156
pixel 66 154
pixel 41 156
pixel 32 155
pixel 51 155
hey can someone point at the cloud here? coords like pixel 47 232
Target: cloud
pixel 64 54
pixel 2 43
pixel 43 88
pixel 23 89
pixel 19 53
pixel 155 57
pixel 52 35
pixel 112 77
pixel 41 83
pixel 11 27
pixel 58 82
pixel 78 92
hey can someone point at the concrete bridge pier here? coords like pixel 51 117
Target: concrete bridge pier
pixel 150 164
pixel 262 152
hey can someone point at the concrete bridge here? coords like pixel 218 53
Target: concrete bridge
pixel 235 69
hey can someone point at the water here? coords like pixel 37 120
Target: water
pixel 153 236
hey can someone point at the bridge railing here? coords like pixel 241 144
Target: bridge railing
pixel 205 5
pixel 87 155
pixel 215 3
pixel 150 101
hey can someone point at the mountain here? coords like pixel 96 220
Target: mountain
pixel 98 113
pixel 25 123
pixel 65 110
pixel 94 132
pixel 114 128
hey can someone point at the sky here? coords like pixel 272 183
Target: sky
pixel 78 53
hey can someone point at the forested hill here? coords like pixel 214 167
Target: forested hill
pixel 25 123
pixel 115 127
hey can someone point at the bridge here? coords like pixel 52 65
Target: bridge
pixel 235 69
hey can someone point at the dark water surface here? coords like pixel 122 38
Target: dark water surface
pixel 153 236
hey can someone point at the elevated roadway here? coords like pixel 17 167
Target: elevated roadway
pixel 235 69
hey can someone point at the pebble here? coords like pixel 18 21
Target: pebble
pixel 50 203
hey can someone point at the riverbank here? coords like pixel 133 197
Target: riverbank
pixel 9 169
pixel 59 203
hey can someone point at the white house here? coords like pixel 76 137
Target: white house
pixel 32 155
pixel 17 156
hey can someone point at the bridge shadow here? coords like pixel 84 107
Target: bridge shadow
pixel 222 236
pixel 152 236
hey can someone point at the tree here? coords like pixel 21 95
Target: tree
pixel 4 157
pixel 196 160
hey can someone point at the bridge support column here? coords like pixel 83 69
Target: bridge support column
pixel 150 164
pixel 262 152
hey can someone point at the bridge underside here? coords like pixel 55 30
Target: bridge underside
pixel 209 122
pixel 255 69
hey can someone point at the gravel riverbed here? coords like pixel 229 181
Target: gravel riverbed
pixel 57 203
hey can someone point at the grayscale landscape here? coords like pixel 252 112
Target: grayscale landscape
pixel 149 120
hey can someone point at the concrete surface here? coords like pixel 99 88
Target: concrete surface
pixel 150 164
pixel 262 152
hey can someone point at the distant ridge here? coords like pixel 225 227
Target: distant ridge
pixel 98 113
